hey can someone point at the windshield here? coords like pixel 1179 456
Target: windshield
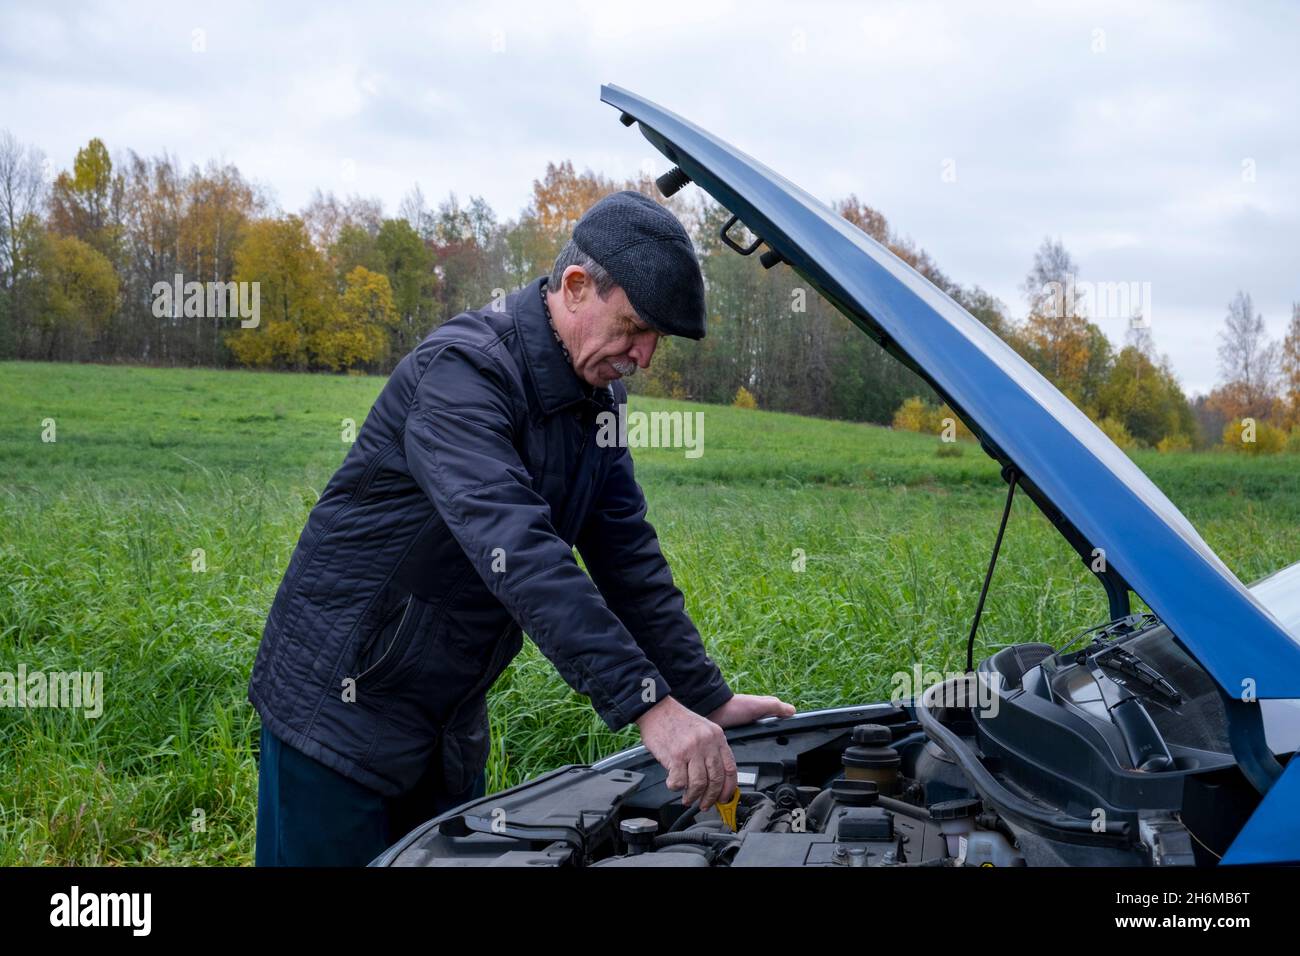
pixel 1280 593
pixel 1198 720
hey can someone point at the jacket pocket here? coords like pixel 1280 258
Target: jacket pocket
pixel 381 654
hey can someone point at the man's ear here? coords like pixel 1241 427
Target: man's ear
pixel 576 285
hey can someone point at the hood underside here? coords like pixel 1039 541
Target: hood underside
pixel 1086 485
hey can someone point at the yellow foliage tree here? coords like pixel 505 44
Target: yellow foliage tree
pixel 1175 442
pixel 296 294
pixel 1114 430
pixel 1253 437
pixel 913 415
pixel 744 399
pixel 916 415
pixel 562 196
pixel 79 289
pixel 358 333
pixel 1290 363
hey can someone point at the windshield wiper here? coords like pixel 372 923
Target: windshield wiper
pixel 1126 662
pixel 1106 651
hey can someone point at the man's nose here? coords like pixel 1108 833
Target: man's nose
pixel 644 349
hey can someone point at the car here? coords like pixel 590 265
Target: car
pixel 1160 737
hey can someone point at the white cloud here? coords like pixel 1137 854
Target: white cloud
pixel 1132 153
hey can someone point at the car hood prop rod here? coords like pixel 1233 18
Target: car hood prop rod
pixel 1011 475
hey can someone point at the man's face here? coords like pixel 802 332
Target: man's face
pixel 606 338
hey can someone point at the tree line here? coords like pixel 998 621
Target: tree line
pixel 342 287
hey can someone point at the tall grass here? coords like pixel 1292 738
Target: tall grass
pixel 98 532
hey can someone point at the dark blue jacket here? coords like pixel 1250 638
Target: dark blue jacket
pixel 449 527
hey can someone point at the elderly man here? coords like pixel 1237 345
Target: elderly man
pixel 450 526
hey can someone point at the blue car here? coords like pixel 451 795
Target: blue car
pixel 1160 738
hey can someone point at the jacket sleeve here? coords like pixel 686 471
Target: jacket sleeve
pixel 621 551
pixel 459 446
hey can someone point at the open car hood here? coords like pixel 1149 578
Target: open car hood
pixel 1085 484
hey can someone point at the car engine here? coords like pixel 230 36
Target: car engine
pixel 1119 753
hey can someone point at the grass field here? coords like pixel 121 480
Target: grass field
pixel 98 529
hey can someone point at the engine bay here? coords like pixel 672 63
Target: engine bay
pixel 1115 754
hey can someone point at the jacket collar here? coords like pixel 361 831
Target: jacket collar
pixel 555 383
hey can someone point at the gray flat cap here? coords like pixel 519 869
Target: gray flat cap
pixel 646 250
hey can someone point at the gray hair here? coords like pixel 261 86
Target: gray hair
pixel 571 255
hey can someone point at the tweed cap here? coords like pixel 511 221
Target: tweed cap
pixel 646 250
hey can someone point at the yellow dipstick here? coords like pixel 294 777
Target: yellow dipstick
pixel 728 810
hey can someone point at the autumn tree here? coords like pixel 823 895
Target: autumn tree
pixel 986 307
pixel 468 255
pixel 353 246
pixel 22 194
pixel 415 210
pixel 154 210
pixel 78 294
pixel 297 295
pixel 325 215
pixel 356 333
pixel 1145 397
pixel 1056 337
pixel 1290 369
pixel 86 202
pixel 174 222
pixel 1247 364
pixel 409 265
pixel 561 197
pixel 218 205
pixel 869 220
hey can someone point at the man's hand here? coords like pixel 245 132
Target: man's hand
pixel 693 749
pixel 747 708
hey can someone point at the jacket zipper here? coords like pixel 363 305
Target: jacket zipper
pixel 397 634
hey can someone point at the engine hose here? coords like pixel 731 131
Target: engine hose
pixel 686 818
pixel 759 817
pixel 817 807
pixel 1010 805
pixel 698 837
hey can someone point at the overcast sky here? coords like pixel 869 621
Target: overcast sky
pixel 1160 143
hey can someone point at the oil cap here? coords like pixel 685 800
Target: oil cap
pixel 854 793
pixel 638 833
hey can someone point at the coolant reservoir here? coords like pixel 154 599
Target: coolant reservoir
pixel 955 820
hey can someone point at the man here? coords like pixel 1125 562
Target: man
pixel 450 526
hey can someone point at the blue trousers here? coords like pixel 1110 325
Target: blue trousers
pixel 309 814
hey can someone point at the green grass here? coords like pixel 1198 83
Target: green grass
pixel 98 527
